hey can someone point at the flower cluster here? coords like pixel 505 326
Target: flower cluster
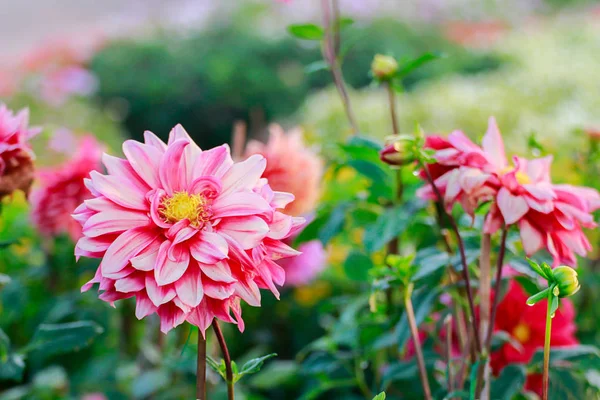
pixel 187 232
pixel 549 216
pixel 62 189
pixel 16 156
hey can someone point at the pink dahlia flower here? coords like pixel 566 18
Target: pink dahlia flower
pixel 304 269
pixel 187 232
pixel 62 189
pixel 16 156
pixel 549 216
pixel 291 167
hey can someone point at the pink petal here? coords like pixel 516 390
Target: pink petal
pixel 277 250
pixel 280 227
pixel 172 175
pixel 281 199
pixel 178 133
pixel 143 305
pixel 146 260
pixel 512 207
pixel 156 199
pixel 531 238
pixel 219 272
pixel 159 294
pixel 248 291
pixel 119 191
pixel 122 170
pixel 201 317
pixel 114 221
pixel 540 191
pixel 247 231
pixel 244 175
pixel 213 162
pixel 145 160
pixel 209 186
pixel 154 141
pixel 218 290
pixel 171 316
pixel 132 283
pixel 493 145
pixel 209 248
pixel 189 286
pixel 538 169
pixel 240 204
pixel 126 246
pixel 169 270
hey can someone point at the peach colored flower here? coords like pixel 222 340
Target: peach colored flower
pixel 187 232
pixel 16 156
pixel 291 167
pixel 62 189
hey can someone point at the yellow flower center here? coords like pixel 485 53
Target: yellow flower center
pixel 522 177
pixel 521 333
pixel 182 205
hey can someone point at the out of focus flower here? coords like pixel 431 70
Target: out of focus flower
pixel 479 34
pixel 187 232
pixel 527 324
pixel 16 156
pixel 384 67
pixel 62 189
pixel 566 278
pixel 57 86
pixel 291 167
pixel 303 269
pixel 94 396
pixel 549 216
pixel 593 134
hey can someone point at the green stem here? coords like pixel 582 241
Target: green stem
pixel 547 346
pixel 414 331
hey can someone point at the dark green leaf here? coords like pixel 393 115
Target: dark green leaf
pixel 411 65
pixel 218 367
pixel 5 243
pixel 371 170
pixel 398 371
pixel 276 375
pixel 357 266
pixel 473 380
pixel 51 339
pixel 316 66
pixel 528 285
pixel 306 31
pixel 509 383
pixel 252 366
pixel 429 261
pixel 334 224
pixel 563 354
pixel 389 225
pixel 12 366
pixel 566 385
pixel 457 394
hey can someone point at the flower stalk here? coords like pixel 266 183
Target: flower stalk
pixel 547 346
pixel 201 368
pixel 410 313
pixel 227 358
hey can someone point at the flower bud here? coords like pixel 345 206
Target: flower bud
pixel 384 67
pixel 396 153
pixel 566 278
pixel 18 174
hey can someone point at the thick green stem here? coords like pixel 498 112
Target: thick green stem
pixel 414 331
pixel 545 378
pixel 227 358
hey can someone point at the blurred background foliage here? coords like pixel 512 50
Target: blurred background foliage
pixel 536 75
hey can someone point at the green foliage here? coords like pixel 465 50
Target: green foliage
pixel 509 383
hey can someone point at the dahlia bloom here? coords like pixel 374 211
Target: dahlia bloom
pixel 291 167
pixel 16 156
pixel 62 189
pixel 188 232
pixel 527 324
pixel 548 215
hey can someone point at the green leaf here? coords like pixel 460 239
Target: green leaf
pixel 538 297
pixel 528 285
pixel 380 396
pixel 566 385
pixel 418 62
pixel 52 339
pixel 389 225
pixel 554 305
pixel 316 66
pixel 509 383
pixel 536 267
pixel 357 266
pixel 12 367
pixel 276 375
pixel 457 394
pixel 423 302
pixel 334 224
pixel 429 261
pixel 399 371
pixel 500 338
pixel 218 367
pixel 149 382
pixel 344 22
pixel 307 31
pixel 252 366
pixel 473 380
pixel 369 169
pixel 5 243
pixel 571 354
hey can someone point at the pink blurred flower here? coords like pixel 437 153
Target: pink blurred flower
pixel 62 189
pixel 57 86
pixel 549 216
pixel 16 156
pixel 291 167
pixel 94 396
pixel 187 232
pixel 304 269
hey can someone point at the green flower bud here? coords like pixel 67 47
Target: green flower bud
pixel 384 67
pixel 566 279
pixel 398 151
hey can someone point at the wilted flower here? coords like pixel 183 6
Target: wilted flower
pixel 62 189
pixel 527 324
pixel 16 156
pixel 187 232
pixel 291 167
pixel 384 67
pixel 566 279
